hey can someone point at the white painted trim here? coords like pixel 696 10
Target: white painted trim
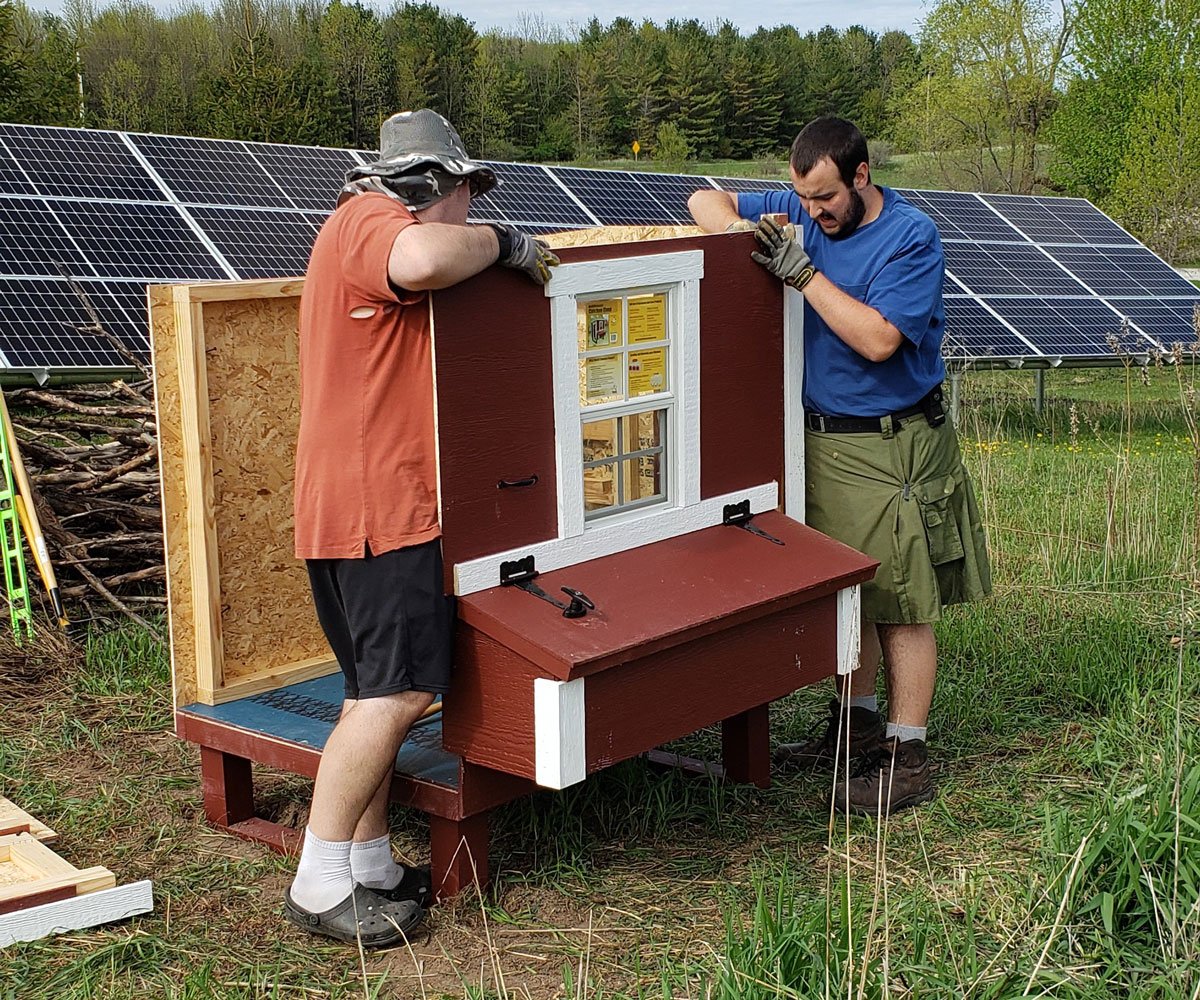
pixel 618 534
pixel 588 276
pixel 793 404
pixel 849 628
pixel 686 344
pixel 89 910
pixel 568 449
pixel 559 743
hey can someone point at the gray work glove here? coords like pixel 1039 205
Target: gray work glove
pixel 522 252
pixel 783 256
pixel 740 226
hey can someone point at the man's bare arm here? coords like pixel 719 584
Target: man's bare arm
pixel 862 328
pixel 436 255
pixel 713 210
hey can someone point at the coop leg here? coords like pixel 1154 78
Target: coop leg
pixel 746 747
pixel 459 853
pixel 228 787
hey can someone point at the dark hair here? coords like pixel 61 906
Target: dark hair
pixel 836 138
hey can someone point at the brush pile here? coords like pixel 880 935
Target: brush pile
pixel 91 454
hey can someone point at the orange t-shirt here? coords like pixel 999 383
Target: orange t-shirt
pixel 366 466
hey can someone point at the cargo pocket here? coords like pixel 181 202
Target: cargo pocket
pixel 941 521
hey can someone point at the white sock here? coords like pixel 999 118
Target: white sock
pixel 373 865
pixel 868 701
pixel 323 877
pixel 906 733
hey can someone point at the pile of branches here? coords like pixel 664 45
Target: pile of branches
pixel 92 456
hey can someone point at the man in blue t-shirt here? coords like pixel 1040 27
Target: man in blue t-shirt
pixel 883 468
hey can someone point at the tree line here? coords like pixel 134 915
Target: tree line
pixel 307 71
pixel 1099 98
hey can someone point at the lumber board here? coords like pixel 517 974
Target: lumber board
pixel 14 819
pixel 103 906
pixel 28 868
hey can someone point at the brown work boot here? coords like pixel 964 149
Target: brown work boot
pixel 866 730
pixel 894 777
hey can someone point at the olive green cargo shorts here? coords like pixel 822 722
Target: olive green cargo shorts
pixel 902 497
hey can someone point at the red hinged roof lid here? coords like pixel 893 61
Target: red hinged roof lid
pixel 660 595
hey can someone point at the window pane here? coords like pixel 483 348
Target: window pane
pixel 599 487
pixel 600 379
pixel 599 324
pixel 647 318
pixel 643 479
pixel 642 431
pixel 600 440
pixel 647 372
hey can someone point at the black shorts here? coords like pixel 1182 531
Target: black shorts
pixel 389 623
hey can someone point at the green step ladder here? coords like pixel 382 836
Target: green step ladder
pixel 13 554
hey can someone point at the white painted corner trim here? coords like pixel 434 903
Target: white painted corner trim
pixel 849 628
pixel 559 733
pixel 630 531
pixel 77 913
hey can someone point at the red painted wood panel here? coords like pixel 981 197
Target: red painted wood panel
pixel 488 715
pixel 496 400
pixel 648 702
pixel 495 415
pixel 658 596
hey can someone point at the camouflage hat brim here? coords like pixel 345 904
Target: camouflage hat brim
pixel 483 177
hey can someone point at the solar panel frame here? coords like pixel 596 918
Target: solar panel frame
pixel 615 198
pixel 1008 269
pixel 260 242
pixel 672 191
pixel 749 185
pixel 211 172
pixel 33 242
pixel 1058 220
pixel 148 241
pixel 1122 271
pixel 1085 327
pixel 1167 321
pixel 79 163
pixel 529 194
pixel 975 333
pixel 311 176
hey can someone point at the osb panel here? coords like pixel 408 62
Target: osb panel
pixel 605 235
pixel 174 497
pixel 267 616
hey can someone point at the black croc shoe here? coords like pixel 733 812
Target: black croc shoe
pixel 362 916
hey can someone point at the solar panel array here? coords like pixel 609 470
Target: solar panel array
pixel 1033 277
pixel 1027 277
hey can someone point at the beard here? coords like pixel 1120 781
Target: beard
pixel 852 219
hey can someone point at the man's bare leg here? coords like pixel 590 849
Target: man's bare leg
pixel 359 756
pixel 864 677
pixel 910 658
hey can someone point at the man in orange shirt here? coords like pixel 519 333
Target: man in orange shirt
pixel 366 509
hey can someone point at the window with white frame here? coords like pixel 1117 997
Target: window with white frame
pixel 627 387
pixel 626 400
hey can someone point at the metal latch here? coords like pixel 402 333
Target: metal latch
pixel 738 514
pixel 522 572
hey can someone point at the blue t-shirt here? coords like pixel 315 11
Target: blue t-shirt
pixel 895 265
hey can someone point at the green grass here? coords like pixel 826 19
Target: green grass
pixel 1061 858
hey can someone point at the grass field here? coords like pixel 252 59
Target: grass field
pixel 1061 858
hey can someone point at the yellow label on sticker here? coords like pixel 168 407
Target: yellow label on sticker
pixel 647 319
pixel 647 372
pixel 601 326
pixel 602 379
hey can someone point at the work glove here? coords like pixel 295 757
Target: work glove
pixel 522 252
pixel 740 226
pixel 782 255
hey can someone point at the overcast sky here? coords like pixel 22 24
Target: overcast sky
pixel 878 15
